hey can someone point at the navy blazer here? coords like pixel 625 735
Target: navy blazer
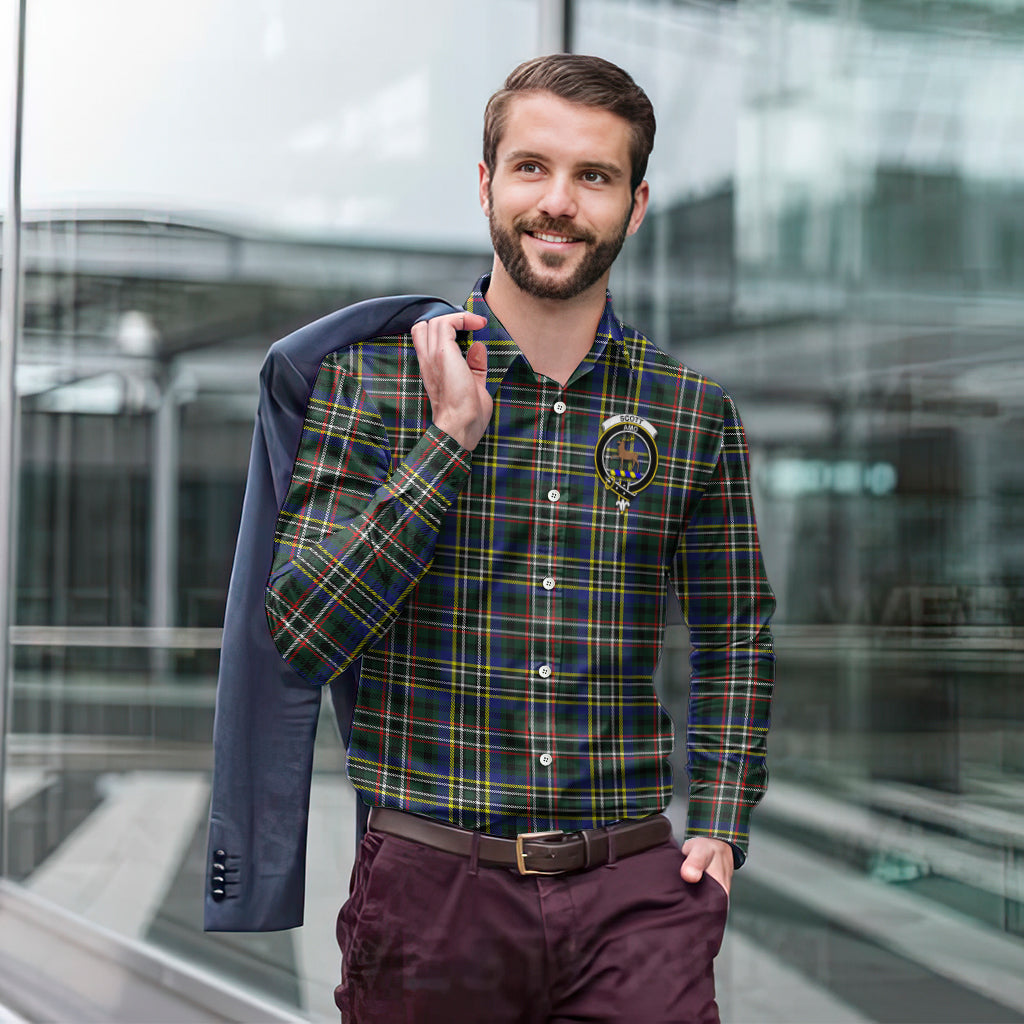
pixel 266 714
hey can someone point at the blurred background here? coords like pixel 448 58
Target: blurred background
pixel 836 235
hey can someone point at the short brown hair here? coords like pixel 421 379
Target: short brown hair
pixel 577 78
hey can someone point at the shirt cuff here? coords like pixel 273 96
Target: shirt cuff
pixel 705 817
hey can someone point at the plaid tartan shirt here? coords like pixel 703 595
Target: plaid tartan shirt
pixel 508 604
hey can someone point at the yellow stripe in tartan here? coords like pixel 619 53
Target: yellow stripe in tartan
pixel 427 776
pixel 588 622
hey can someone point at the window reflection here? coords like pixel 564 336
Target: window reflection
pixel 199 181
pixel 836 236
pixel 854 281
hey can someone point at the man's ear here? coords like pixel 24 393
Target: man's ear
pixel 485 185
pixel 641 197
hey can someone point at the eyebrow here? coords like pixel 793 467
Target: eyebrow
pixel 613 171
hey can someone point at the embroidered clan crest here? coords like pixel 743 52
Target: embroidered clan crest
pixel 626 457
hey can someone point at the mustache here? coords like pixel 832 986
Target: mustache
pixel 552 226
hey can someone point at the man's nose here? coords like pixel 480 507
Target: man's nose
pixel 559 198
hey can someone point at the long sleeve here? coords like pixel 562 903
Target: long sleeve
pixel 727 603
pixel 355 534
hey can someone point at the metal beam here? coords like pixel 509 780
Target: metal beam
pixel 553 26
pixel 10 320
pixel 163 548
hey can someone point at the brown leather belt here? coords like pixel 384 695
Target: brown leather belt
pixel 531 853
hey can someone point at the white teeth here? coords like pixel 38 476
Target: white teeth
pixel 551 238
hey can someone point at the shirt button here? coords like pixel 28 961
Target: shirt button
pixel 546 759
pixel 559 407
pixel 549 583
pixel 544 671
pixel 554 494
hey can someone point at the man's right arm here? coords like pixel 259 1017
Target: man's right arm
pixel 354 538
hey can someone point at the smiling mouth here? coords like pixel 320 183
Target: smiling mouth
pixel 546 237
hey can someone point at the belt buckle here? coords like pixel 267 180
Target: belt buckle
pixel 520 855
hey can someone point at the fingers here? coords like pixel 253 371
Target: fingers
pixel 696 863
pixel 435 345
pixel 447 325
pixel 435 338
pixel 456 386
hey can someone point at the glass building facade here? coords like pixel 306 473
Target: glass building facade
pixel 836 235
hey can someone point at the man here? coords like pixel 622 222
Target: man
pixel 489 519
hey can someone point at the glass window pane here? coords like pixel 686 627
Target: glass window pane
pixel 8 23
pixel 836 236
pixel 200 178
pixel 320 118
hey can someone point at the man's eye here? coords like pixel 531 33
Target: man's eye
pixel 529 168
pixel 593 177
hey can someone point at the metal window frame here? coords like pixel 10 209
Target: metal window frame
pixel 554 26
pixel 10 326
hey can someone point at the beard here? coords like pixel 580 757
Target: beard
pixel 598 257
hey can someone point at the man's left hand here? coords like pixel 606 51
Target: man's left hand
pixel 711 855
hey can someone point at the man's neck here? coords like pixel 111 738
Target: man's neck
pixel 554 334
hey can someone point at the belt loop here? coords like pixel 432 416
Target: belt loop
pixel 474 854
pixel 586 848
pixel 611 847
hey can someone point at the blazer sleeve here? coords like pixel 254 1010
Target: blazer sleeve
pixel 266 714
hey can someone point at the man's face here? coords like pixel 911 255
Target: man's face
pixel 559 203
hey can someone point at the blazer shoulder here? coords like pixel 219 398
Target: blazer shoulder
pixel 393 314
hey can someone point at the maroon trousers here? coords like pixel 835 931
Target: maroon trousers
pixel 433 938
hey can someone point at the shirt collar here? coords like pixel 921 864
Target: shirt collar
pixel 502 351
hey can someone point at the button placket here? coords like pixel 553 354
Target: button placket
pixel 548 524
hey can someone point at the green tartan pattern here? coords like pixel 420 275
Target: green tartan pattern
pixel 507 616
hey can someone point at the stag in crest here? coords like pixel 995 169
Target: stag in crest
pixel 627 456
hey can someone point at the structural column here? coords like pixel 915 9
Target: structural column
pixel 10 321
pixel 163 548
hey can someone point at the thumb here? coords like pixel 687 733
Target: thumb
pixel 691 871
pixel 477 357
pixel 694 862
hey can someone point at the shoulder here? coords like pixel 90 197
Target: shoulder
pixel 662 371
